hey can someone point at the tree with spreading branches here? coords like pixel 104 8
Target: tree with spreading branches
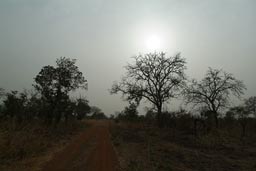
pixel 154 77
pixel 214 91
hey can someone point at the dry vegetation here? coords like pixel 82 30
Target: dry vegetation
pixel 141 146
pixel 182 141
pixel 35 124
pixel 28 146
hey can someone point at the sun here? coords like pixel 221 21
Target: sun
pixel 153 42
pixel 153 37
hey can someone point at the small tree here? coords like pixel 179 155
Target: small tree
pixel 242 114
pixel 95 109
pixel 154 77
pixel 2 93
pixel 229 118
pixel 150 115
pixel 250 104
pixel 82 108
pixel 15 105
pixel 97 113
pixel 214 91
pixel 130 112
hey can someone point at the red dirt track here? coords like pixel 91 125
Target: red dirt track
pixel 90 151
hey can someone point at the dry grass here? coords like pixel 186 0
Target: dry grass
pixel 28 145
pixel 152 149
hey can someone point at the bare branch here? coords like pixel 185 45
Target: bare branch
pixel 214 90
pixel 152 76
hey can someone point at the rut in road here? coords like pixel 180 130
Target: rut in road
pixel 90 151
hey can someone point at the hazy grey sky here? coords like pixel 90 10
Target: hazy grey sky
pixel 104 34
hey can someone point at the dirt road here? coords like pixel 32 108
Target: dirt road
pixel 90 151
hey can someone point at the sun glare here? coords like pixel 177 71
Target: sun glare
pixel 153 37
pixel 154 42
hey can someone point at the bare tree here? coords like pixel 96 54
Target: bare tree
pixel 214 91
pixel 154 77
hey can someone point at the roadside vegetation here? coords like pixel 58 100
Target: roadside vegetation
pixel 143 146
pixel 214 135
pixel 35 123
pixel 31 144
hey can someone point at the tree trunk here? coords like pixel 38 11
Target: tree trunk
pixel 159 116
pixel 243 131
pixel 66 118
pixel 216 119
pixel 215 113
pixel 243 124
pixel 195 127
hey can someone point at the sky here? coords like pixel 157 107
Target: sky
pixel 103 35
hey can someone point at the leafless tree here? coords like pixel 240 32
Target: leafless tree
pixel 214 91
pixel 154 77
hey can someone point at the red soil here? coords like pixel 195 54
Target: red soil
pixel 91 150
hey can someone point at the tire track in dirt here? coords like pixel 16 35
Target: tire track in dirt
pixel 90 151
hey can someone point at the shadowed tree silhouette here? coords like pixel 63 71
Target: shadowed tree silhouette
pixel 250 104
pixel 97 113
pixel 154 77
pixel 15 105
pixel 130 112
pixel 242 113
pixel 54 84
pixel 82 108
pixel 1 106
pixel 214 91
pixel 1 92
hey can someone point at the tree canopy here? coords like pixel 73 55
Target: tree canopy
pixel 54 84
pixel 154 77
pixel 214 90
pixel 60 79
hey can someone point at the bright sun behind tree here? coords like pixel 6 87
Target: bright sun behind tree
pixel 154 42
